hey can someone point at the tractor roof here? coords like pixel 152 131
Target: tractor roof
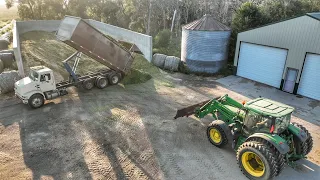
pixel 268 107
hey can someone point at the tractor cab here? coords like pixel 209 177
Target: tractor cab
pixel 266 116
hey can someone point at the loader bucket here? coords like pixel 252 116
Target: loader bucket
pixel 189 110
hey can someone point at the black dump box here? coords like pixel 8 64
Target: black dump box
pixel 83 37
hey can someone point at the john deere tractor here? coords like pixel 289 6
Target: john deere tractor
pixel 259 131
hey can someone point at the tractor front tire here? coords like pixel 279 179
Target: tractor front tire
pixel 36 101
pixel 217 133
pixel 257 161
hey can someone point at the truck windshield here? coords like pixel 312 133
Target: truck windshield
pixel 34 75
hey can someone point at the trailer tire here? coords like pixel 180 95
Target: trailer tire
pixel 36 101
pixel 101 82
pixel 114 78
pixel 88 84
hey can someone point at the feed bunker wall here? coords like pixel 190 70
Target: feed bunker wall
pixel 142 41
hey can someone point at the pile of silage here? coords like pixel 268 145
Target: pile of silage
pixel 42 48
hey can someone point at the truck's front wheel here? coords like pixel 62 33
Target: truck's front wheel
pixel 36 101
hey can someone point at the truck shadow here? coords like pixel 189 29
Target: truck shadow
pixel 49 143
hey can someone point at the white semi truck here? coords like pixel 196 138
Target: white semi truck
pixel 40 85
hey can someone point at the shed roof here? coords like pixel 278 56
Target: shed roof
pixel 207 23
pixel 315 15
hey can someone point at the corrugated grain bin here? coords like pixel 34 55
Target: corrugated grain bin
pixel 83 37
pixel 204 45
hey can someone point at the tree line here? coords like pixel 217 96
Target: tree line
pixel 163 19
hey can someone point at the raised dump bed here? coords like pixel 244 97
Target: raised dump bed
pixel 80 35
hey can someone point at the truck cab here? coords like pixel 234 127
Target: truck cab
pixel 39 81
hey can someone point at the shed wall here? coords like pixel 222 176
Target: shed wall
pixel 299 35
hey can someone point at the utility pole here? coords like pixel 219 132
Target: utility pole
pixel 174 17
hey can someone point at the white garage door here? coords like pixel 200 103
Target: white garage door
pixel 262 63
pixel 310 79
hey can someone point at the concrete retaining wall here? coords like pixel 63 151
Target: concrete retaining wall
pixel 144 42
pixel 16 48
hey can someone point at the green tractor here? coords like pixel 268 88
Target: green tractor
pixel 259 131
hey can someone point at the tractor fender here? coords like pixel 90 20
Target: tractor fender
pixel 297 132
pixel 278 142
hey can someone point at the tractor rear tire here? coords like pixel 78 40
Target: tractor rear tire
pixel 257 161
pixel 218 133
pixel 280 158
pixel 309 141
pixel 302 148
pixel 36 101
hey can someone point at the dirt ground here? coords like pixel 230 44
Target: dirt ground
pixel 128 132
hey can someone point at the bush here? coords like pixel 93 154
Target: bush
pixel 162 39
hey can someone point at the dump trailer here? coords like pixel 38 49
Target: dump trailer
pixel 259 131
pixel 118 56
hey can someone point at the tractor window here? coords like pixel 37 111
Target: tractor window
pixel 255 122
pixel 282 123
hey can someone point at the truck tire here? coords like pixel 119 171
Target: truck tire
pixel 280 158
pixel 256 160
pixel 114 79
pixel 101 82
pixel 36 101
pixel 88 84
pixel 217 133
pixel 302 148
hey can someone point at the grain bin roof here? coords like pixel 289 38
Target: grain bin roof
pixel 207 23
pixel 315 15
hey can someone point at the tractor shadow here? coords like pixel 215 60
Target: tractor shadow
pixel 304 169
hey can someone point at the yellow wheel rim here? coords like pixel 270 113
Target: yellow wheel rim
pixel 215 135
pixel 252 164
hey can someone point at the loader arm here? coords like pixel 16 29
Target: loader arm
pixel 219 104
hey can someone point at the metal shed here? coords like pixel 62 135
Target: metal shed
pixel 285 55
pixel 204 45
